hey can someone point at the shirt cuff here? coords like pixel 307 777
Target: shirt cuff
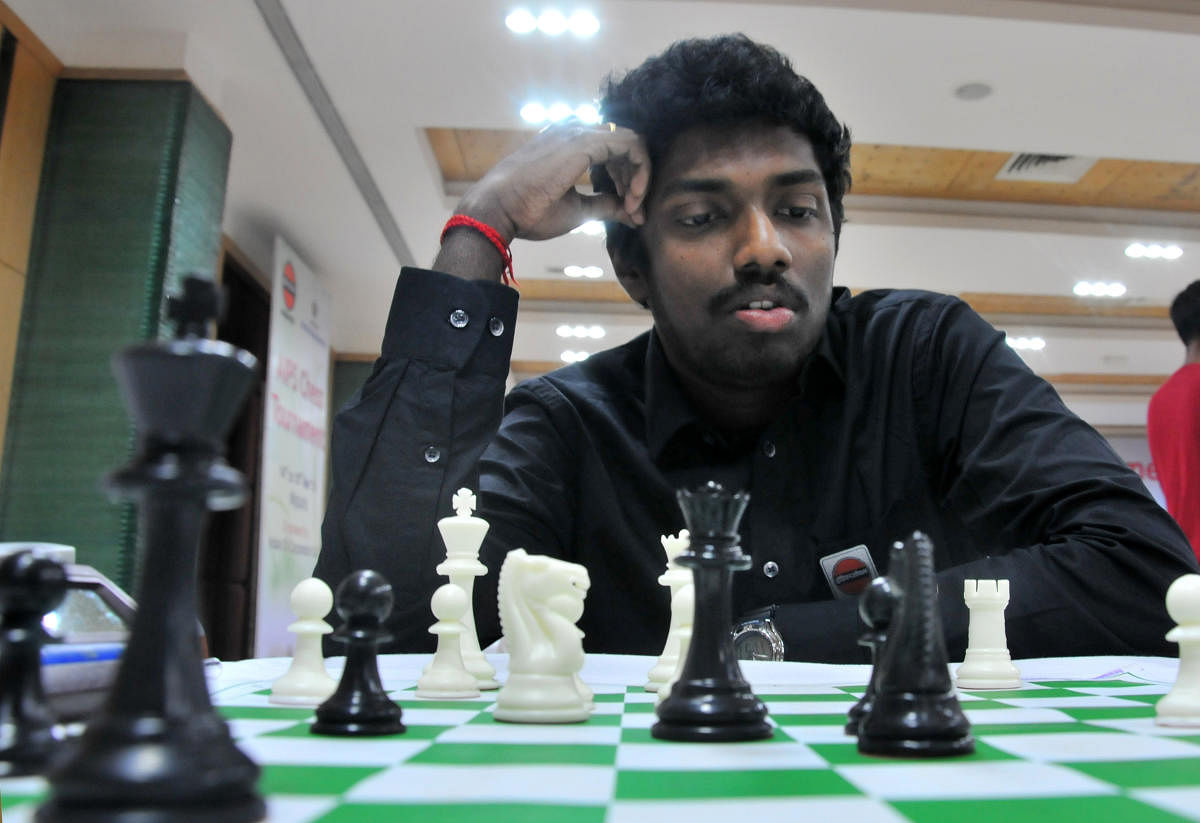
pixel 449 321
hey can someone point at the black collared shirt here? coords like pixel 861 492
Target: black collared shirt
pixel 912 414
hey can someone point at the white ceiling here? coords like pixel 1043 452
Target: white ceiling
pixel 1105 78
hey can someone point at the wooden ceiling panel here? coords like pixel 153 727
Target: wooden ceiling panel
pixel 464 155
pixel 905 171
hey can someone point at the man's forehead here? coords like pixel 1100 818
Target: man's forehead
pixel 705 148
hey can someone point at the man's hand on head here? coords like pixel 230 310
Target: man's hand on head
pixel 531 193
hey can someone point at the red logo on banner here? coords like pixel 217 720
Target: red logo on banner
pixel 851 575
pixel 289 286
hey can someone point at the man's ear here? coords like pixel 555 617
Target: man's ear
pixel 631 266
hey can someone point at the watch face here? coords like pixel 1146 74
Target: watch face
pixel 753 644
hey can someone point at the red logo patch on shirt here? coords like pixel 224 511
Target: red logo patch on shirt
pixel 849 571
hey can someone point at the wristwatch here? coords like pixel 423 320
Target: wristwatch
pixel 756 637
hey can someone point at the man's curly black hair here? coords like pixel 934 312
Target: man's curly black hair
pixel 1185 313
pixel 718 81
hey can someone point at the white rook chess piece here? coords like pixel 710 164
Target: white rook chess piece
pixel 1181 705
pixel 446 676
pixel 987 664
pixel 306 682
pixel 675 577
pixel 463 535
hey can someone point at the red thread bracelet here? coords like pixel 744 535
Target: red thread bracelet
pixel 491 234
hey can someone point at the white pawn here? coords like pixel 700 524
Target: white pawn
pixel 987 664
pixel 306 682
pixel 446 677
pixel 675 577
pixel 686 605
pixel 463 535
pixel 1181 705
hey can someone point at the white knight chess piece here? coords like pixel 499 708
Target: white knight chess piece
pixel 540 600
pixel 463 535
pixel 987 664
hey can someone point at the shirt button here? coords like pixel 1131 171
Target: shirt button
pixel 496 326
pixel 432 454
pixel 768 448
pixel 459 319
pixel 770 568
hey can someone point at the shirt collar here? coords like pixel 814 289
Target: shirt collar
pixel 668 409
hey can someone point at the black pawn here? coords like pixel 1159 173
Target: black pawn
pixel 915 710
pixel 875 606
pixel 359 705
pixel 29 732
pixel 157 750
pixel 712 701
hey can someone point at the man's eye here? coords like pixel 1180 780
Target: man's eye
pixel 798 212
pixel 697 220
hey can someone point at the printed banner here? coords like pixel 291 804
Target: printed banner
pixel 295 438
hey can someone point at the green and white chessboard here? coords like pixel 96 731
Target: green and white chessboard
pixel 1051 751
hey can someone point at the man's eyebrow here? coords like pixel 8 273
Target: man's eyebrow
pixel 707 185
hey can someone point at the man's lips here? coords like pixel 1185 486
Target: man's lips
pixel 761 319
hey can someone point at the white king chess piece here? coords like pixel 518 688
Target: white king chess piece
pixel 987 664
pixel 306 682
pixel 1181 705
pixel 463 535
pixel 675 577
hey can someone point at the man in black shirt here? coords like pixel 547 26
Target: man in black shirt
pixel 851 421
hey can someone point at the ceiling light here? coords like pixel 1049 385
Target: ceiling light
pixel 1153 251
pixel 588 113
pixel 583 23
pixel 552 22
pixel 1087 289
pixel 591 272
pixel 581 331
pixel 592 228
pixel 521 21
pixel 558 111
pixel 533 113
pixel 1026 343
pixel 573 356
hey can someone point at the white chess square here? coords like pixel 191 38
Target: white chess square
pixel 976 779
pixel 533 733
pixel 582 785
pixel 1090 747
pixel 1016 716
pixel 1181 800
pixel 344 751
pixel 717 757
pixel 858 809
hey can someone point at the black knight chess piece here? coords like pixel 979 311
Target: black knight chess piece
pixel 30 736
pixel 914 710
pixel 360 705
pixel 157 750
pixel 711 701
pixel 875 606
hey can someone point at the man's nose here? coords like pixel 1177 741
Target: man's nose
pixel 760 251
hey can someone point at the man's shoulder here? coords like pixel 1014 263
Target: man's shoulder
pixel 872 302
pixel 618 371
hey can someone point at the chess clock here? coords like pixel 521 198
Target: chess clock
pixel 757 637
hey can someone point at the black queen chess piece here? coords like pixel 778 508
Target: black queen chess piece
pixel 711 700
pixel 914 709
pixel 30 735
pixel 360 706
pixel 157 751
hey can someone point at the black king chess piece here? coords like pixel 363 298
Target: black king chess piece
pixel 157 751
pixel 360 705
pixel 30 736
pixel 914 710
pixel 711 700
pixel 875 606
